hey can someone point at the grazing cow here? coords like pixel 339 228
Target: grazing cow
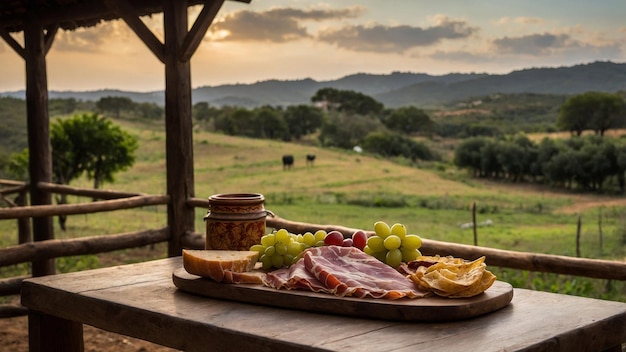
pixel 287 162
pixel 310 158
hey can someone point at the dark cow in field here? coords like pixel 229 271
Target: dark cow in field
pixel 310 158
pixel 287 162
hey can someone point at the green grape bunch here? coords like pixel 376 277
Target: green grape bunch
pixel 280 249
pixel 392 244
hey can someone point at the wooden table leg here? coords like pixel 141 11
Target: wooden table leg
pixel 54 334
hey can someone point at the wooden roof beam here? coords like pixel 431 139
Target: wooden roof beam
pixel 199 28
pixel 8 38
pixel 51 32
pixel 130 16
pixel 48 39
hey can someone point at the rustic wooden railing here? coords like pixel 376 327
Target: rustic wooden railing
pixel 31 251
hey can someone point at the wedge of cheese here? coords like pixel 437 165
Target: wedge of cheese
pixel 218 264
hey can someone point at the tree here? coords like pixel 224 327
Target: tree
pixel 270 124
pixel 408 120
pixel 62 106
pixel 114 105
pixel 512 158
pixel 302 120
pixel 345 130
pixel 394 144
pixel 347 101
pixel 490 164
pixel 202 111
pixel 468 154
pixel 242 123
pixel 17 165
pixel 562 168
pixel 592 110
pixel 90 144
pixel 150 111
pixel 546 150
pixel 609 112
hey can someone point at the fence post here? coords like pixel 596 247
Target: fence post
pixel 23 224
pixel 578 226
pixel 600 229
pixel 474 224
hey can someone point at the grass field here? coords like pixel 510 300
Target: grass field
pixel 356 190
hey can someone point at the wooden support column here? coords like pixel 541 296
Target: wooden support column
pixel 47 333
pixel 40 157
pixel 179 127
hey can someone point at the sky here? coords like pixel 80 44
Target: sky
pixel 298 39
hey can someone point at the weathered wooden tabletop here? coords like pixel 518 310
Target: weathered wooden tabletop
pixel 140 300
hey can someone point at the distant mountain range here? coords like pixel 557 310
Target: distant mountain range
pixel 395 89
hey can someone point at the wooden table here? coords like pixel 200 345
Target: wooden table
pixel 140 300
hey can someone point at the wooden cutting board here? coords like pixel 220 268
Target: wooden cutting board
pixel 429 309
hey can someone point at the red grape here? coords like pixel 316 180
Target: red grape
pixel 359 238
pixel 347 242
pixel 334 238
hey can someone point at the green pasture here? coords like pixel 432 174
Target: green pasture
pixel 355 190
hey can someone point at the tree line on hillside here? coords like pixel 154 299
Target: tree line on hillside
pixel 582 162
pixel 340 118
pixel 587 162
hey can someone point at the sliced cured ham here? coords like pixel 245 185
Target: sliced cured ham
pixel 344 271
pixel 295 277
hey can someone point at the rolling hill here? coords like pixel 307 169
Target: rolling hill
pixel 395 89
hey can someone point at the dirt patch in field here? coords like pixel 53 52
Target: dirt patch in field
pixel 461 112
pixel 586 204
pixel 580 202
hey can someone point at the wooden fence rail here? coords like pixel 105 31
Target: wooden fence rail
pixel 69 247
pixel 85 192
pixel 26 252
pixel 82 208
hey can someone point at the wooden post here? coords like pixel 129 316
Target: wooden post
pixel 601 240
pixel 40 158
pixel 179 127
pixel 23 224
pixel 474 224
pixel 578 226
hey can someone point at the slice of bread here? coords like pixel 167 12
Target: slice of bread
pixel 212 263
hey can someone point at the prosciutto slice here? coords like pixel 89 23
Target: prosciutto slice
pixel 344 271
pixel 295 277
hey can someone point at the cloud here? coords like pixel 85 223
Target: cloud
pixel 275 25
pixel 520 20
pixel 563 46
pixel 535 44
pixel 381 38
pixel 92 39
